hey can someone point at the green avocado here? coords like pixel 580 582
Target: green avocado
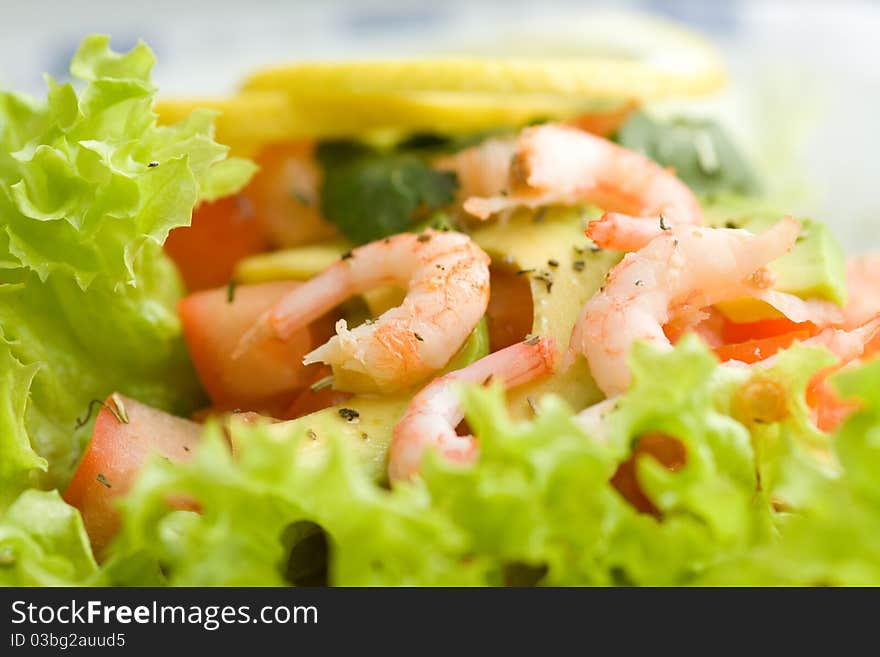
pixel 815 268
pixel 565 270
pixel 367 423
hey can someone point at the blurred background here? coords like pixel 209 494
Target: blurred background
pixel 803 96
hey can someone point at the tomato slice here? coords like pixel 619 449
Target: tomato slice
pixel 510 312
pixel 221 233
pixel 115 455
pixel 733 332
pixel 753 351
pixel 266 377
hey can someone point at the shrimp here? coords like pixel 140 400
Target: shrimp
pixel 563 165
pixel 622 233
pixel 431 418
pixel 685 269
pixel 619 232
pixel 447 281
pixel 482 170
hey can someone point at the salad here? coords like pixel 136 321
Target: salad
pixel 433 322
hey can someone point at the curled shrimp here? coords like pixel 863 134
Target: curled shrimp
pixel 430 420
pixel 447 280
pixel 562 165
pixel 685 269
pixel 622 233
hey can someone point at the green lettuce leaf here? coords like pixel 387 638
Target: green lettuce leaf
pixel 43 543
pixel 830 532
pixel 537 507
pixel 90 185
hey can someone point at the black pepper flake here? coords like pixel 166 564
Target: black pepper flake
pixel 230 291
pixel 418 337
pixel 553 263
pixel 532 341
pixel 595 249
pixel 349 415
pixel 730 224
pixel 153 164
pixel 640 283
pixel 311 434
pixel 580 250
pixel 103 480
pixel 185 448
pixel 440 267
pixel 364 436
pixel 524 271
pixel 346 255
pixel 578 265
pixel 539 215
pixel 544 277
pixel 424 237
pixel 503 192
pixel 663 224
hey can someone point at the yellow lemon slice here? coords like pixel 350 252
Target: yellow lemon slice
pixel 254 118
pixel 558 71
pixel 587 77
pixel 594 55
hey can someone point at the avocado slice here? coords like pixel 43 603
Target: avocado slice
pixel 814 268
pixel 366 423
pixel 565 270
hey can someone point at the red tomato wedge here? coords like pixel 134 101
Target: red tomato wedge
pixel 222 233
pixel 733 332
pixel 753 351
pixel 510 314
pixel 265 378
pixel 115 455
